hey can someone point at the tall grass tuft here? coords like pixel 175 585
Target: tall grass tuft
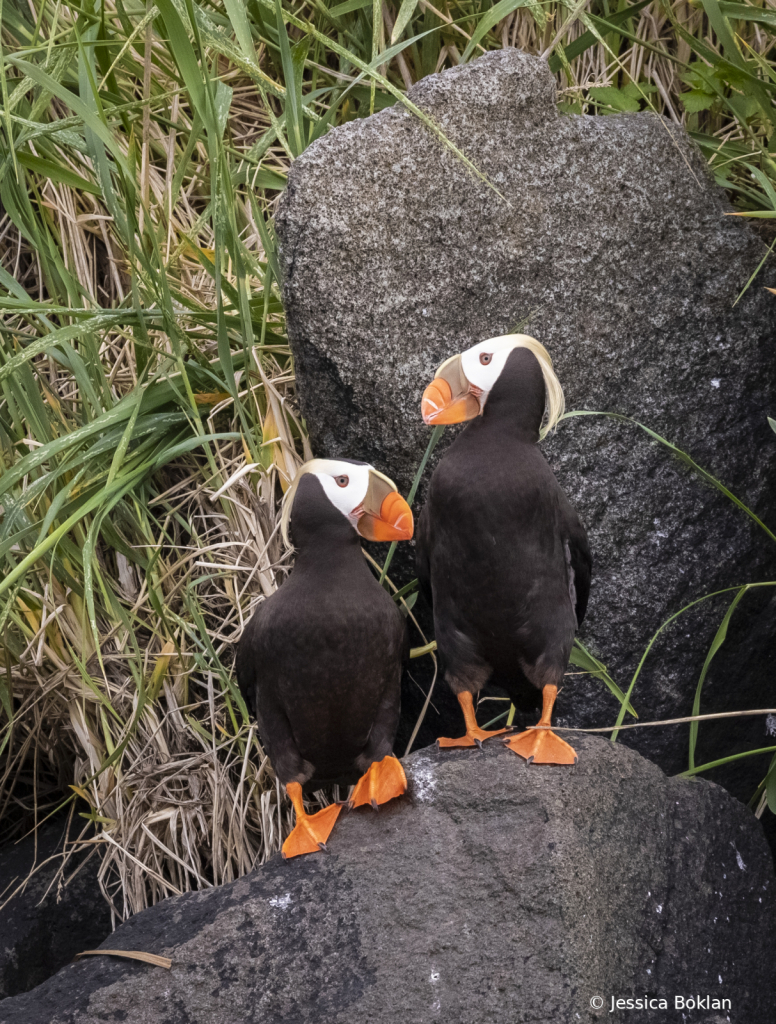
pixel 147 423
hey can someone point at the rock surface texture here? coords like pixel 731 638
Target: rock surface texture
pixel 611 246
pixel 42 927
pixel 494 891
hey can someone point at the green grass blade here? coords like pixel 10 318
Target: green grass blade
pixel 403 19
pixel 717 642
pixel 582 658
pixel 436 434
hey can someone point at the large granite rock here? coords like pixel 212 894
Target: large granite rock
pixel 493 892
pixel 612 247
pixel 44 925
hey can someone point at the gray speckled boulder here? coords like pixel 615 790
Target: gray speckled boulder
pixel 615 251
pixel 493 892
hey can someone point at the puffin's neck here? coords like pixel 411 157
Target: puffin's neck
pixel 324 539
pixel 515 405
pixel 329 550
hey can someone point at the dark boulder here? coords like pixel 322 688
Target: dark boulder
pixel 494 891
pixel 45 924
pixel 611 246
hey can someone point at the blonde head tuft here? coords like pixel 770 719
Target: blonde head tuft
pixel 555 402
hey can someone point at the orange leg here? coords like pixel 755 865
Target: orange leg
pixel 311 830
pixel 540 744
pixel 382 781
pixel 474 735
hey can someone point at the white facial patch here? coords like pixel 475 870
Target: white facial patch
pixel 348 498
pixel 483 375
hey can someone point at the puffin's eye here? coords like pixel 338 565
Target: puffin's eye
pixel 485 358
pixel 342 481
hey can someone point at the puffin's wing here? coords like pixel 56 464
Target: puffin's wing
pixel 581 562
pixel 244 666
pixel 423 552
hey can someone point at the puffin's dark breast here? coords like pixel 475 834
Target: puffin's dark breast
pixel 329 656
pixel 496 556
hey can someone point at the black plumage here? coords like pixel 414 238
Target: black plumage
pixel 320 661
pixel 501 552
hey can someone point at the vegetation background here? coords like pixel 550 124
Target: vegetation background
pixel 147 421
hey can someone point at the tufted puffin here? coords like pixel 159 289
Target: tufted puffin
pixel 500 551
pixel 320 661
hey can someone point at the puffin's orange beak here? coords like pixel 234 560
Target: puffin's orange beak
pixel 448 398
pixel 386 515
pixel 439 406
pixel 394 521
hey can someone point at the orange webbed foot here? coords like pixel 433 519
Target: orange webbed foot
pixel 474 736
pixel 542 746
pixel 311 831
pixel 382 781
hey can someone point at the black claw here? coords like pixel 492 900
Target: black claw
pixel 323 847
pixel 374 805
pixel 478 742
